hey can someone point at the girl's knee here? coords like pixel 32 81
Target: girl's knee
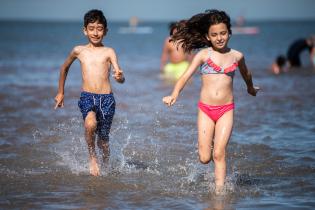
pixel 204 158
pixel 204 155
pixel 218 155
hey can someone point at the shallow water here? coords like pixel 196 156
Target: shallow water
pixel 154 160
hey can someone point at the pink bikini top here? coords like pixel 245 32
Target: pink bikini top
pixel 209 67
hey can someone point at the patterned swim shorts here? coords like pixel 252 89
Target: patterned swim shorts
pixel 104 107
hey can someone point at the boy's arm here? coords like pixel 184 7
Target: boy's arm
pixel 59 99
pixel 164 55
pixel 247 76
pixel 180 84
pixel 118 73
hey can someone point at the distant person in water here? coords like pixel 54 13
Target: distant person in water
pixel 174 61
pixel 97 103
pixel 293 60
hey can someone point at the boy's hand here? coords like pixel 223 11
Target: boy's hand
pixel 169 100
pixel 253 90
pixel 59 100
pixel 119 76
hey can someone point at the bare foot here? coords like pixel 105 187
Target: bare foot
pixel 94 169
pixel 219 190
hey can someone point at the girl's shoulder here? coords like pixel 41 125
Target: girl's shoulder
pixel 237 54
pixel 204 52
pixel 202 55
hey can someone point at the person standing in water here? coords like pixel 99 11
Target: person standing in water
pixel 217 65
pixel 97 103
pixel 174 61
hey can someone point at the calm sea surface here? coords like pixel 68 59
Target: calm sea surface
pixel 154 160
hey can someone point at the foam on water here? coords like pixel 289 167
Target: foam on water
pixel 133 156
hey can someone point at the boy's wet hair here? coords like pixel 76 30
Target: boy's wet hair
pixel 192 34
pixel 95 15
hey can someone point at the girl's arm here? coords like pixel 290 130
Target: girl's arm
pixel 180 84
pixel 247 76
pixel 59 99
pixel 118 73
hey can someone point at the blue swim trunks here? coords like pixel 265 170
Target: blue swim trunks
pixel 104 107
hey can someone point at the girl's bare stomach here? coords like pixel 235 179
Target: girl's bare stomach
pixel 214 96
pixel 216 89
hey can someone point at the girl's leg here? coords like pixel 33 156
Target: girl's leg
pixel 90 125
pixel 223 130
pixel 205 137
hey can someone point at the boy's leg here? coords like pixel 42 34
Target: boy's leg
pixel 223 130
pixel 205 137
pixel 105 119
pixel 103 130
pixel 90 125
pixel 103 144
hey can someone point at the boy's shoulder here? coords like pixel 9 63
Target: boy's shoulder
pixel 78 49
pixel 109 49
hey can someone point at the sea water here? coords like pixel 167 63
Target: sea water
pixel 154 157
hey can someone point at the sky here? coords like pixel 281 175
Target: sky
pixel 155 10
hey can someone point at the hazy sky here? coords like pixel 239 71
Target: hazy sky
pixel 155 9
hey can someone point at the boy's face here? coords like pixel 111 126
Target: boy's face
pixel 95 32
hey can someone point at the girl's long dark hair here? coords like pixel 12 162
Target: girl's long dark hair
pixel 192 34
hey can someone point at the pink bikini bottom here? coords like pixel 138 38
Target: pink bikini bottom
pixel 215 112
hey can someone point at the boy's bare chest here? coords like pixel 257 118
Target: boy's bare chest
pixel 94 58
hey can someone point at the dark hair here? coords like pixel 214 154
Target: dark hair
pixel 281 60
pixel 192 34
pixel 176 25
pixel 171 27
pixel 95 15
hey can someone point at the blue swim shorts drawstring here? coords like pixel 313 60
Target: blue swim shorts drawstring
pixel 101 107
pixel 93 100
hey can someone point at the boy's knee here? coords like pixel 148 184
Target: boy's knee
pixel 90 124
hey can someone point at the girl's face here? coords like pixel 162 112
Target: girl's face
pixel 95 32
pixel 218 35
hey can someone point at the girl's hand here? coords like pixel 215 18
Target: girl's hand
pixel 253 90
pixel 169 100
